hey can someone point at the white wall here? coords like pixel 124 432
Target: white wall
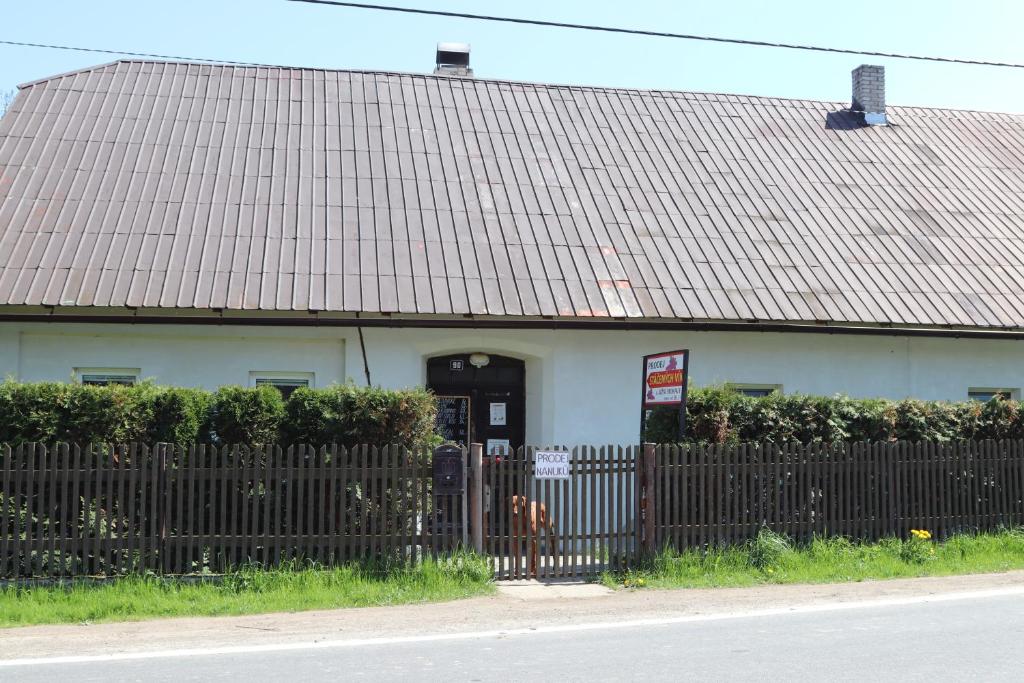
pixel 582 387
pixel 10 351
pixel 190 356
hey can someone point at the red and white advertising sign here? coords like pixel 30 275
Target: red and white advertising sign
pixel 665 379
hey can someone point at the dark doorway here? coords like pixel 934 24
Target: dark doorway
pixel 496 391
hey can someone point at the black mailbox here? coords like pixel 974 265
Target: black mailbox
pixel 448 479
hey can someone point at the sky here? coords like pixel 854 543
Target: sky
pixel 281 32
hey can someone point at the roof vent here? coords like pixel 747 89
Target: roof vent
pixel 869 93
pixel 453 60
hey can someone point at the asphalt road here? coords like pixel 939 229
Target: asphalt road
pixel 968 638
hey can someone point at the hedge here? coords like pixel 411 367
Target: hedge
pixel 720 415
pixel 348 415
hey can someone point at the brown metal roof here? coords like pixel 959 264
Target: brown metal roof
pixel 181 185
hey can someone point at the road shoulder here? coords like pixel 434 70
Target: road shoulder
pixel 515 607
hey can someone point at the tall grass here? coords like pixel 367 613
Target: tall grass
pixel 772 558
pixel 290 588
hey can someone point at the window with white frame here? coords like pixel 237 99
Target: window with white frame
pixel 756 390
pixel 106 376
pixel 986 394
pixel 285 382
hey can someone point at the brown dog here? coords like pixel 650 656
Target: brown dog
pixel 537 518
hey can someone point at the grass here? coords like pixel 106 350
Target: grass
pixel 248 591
pixel 773 559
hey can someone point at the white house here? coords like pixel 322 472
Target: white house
pixel 204 225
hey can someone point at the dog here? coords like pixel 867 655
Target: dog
pixel 538 519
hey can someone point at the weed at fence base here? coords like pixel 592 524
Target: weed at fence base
pixel 772 558
pixel 296 586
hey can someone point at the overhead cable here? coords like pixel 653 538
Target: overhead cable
pixel 656 34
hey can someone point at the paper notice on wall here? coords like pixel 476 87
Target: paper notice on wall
pixel 497 446
pixel 498 415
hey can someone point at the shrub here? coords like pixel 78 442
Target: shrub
pixel 240 415
pixel 350 415
pixel 180 415
pixel 720 415
pixel 52 411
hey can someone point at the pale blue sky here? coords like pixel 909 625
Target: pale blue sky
pixel 279 32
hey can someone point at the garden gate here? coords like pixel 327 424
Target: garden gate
pixel 576 526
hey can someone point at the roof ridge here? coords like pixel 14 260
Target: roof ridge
pixel 475 79
pixel 72 72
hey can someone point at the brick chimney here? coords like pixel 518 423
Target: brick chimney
pixel 869 93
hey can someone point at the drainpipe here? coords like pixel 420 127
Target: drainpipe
pixel 366 364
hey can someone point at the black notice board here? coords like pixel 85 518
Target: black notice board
pixel 453 418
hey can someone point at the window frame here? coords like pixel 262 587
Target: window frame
pixel 743 387
pixel 278 378
pixel 1010 393
pixel 83 374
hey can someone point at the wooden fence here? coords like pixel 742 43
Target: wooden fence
pixel 102 510
pixel 720 495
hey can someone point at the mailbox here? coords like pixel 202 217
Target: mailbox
pixel 448 477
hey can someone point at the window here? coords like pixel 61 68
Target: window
pixel 106 376
pixel 987 394
pixel 756 390
pixel 286 382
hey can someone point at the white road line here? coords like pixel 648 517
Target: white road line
pixel 563 628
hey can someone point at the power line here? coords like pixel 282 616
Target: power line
pixel 75 48
pixel 657 34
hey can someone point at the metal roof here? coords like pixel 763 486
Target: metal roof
pixel 196 186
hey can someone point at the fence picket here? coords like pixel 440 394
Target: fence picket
pixel 498 469
pixel 334 493
pixel 571 537
pixel 18 544
pixel 1014 463
pixel 933 498
pixel 32 505
pixel 8 511
pixel 620 505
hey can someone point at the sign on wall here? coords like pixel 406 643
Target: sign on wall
pixel 499 447
pixel 551 465
pixel 452 421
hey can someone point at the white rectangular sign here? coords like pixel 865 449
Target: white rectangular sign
pixel 498 446
pixel 498 416
pixel 550 465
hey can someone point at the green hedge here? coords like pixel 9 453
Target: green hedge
pixel 719 415
pixel 52 411
pixel 349 414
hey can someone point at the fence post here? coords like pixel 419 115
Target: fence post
pixel 476 496
pixel 161 561
pixel 650 501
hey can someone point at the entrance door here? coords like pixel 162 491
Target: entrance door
pixel 497 396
